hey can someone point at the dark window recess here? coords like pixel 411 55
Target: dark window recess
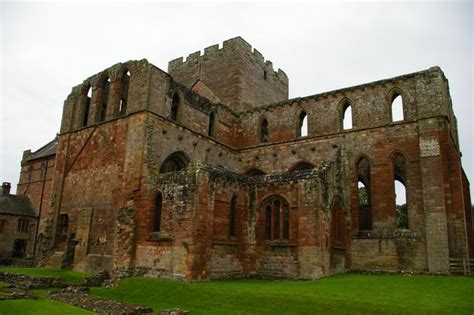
pixel 277 219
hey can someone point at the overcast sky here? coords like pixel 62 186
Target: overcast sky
pixel 47 48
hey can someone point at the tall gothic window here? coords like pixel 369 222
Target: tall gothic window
pixel 303 125
pixel 125 83
pixel 364 195
pixel 277 218
pixel 347 116
pixel 397 107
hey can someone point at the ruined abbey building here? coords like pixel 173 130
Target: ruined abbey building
pixel 209 171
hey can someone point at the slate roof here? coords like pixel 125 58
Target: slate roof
pixel 17 205
pixel 46 150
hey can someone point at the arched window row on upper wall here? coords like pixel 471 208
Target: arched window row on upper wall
pixel 396 107
pixel 302 125
pixel 174 163
pixel 124 87
pixel 104 90
pixel 263 131
pixel 233 215
pixel 87 91
pixel 364 194
pixel 346 115
pixel 277 218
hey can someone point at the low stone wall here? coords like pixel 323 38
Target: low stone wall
pixel 79 298
pixel 26 282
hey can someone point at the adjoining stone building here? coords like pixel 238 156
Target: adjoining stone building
pixel 209 171
pixel 18 223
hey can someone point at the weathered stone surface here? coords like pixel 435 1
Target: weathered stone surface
pixel 181 186
pixel 99 305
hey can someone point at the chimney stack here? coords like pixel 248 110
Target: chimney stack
pixel 6 188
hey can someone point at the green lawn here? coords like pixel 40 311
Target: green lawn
pixel 341 294
pixel 65 275
pixel 39 307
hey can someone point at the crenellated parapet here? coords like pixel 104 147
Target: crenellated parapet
pixel 228 47
pixel 239 75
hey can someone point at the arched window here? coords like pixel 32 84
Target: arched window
pixel 175 162
pixel 125 83
pixel 104 98
pixel 254 172
pixel 303 125
pixel 277 218
pixel 400 190
pixel 264 131
pixel 232 215
pixel 397 107
pixel 211 127
pixel 175 103
pixel 157 212
pixel 347 116
pixel 87 105
pixel 364 195
pixel 301 166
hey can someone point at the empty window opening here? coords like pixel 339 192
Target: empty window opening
pixel 19 249
pixel 87 106
pixel 232 215
pixel 210 130
pixel 264 74
pixel 124 93
pixel 347 117
pixel 175 106
pixel 174 163
pixel 23 225
pixel 303 125
pixel 157 214
pixel 264 131
pixel 401 205
pixel 104 99
pixel 397 108
pixel 363 191
pixel 277 219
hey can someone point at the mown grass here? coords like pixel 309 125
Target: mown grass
pixel 67 276
pixel 341 294
pixel 39 307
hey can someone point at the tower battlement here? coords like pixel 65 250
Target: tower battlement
pixel 236 43
pixel 236 73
